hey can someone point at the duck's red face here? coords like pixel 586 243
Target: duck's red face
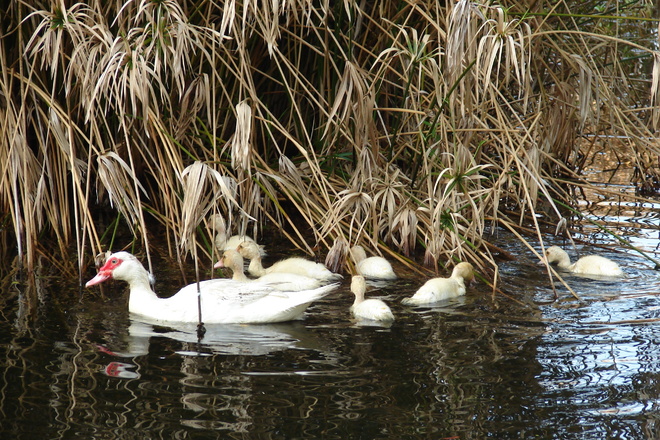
pixel 105 272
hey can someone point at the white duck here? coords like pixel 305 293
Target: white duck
pixel 232 260
pixel 588 265
pixel 296 265
pixel 438 289
pixel 371 309
pixel 375 268
pixel 223 242
pixel 223 301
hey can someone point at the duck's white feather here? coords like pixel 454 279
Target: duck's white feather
pixel 222 300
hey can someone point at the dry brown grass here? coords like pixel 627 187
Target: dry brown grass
pixel 402 127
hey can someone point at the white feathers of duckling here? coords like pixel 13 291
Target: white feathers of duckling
pixel 375 268
pixel 370 309
pixel 587 265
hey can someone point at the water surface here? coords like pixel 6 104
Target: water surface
pixel 483 366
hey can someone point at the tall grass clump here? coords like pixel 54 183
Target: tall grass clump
pixel 410 128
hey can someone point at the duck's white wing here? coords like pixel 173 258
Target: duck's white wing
pixel 231 290
pixel 274 307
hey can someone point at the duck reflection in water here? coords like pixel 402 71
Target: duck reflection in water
pixel 228 339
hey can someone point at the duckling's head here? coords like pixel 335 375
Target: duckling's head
pixel 555 254
pixel 464 270
pixel 249 250
pixel 231 259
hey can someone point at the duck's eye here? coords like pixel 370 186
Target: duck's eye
pixel 114 261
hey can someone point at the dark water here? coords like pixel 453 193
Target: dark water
pixel 480 367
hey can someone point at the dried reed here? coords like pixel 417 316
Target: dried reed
pixel 400 125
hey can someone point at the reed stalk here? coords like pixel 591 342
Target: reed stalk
pixel 392 124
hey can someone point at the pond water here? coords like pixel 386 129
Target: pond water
pixel 480 367
pixel 75 365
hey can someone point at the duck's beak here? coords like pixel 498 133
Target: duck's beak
pixel 99 278
pixel 219 264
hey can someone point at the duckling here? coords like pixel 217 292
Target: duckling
pixel 375 268
pixel 301 266
pixel 438 289
pixel 224 242
pixel 232 260
pixel 371 309
pixel 588 265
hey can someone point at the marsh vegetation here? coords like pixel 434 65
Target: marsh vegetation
pixel 411 128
